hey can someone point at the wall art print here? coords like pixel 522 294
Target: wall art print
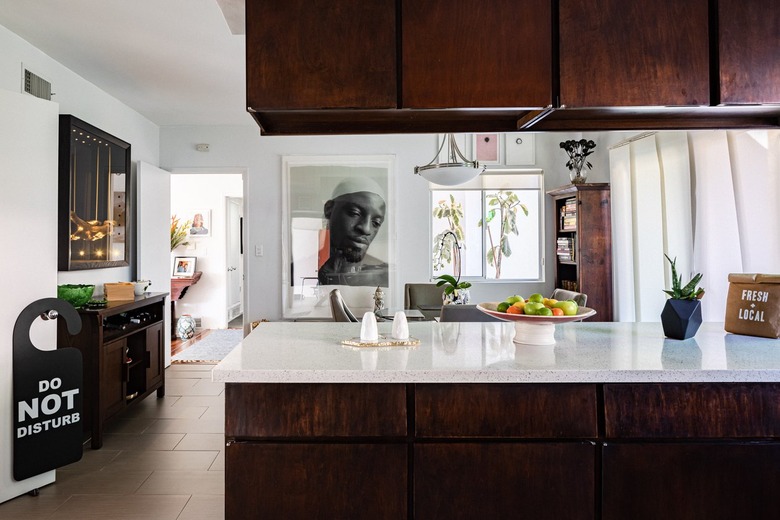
pixel 336 231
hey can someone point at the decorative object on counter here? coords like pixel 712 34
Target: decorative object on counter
pixel 534 329
pixel 578 152
pixel 76 294
pixel 185 327
pixel 681 316
pixel 753 305
pixel 379 300
pixel 140 287
pixel 184 266
pixel 400 326
pixel 504 204
pixel 118 291
pixel 382 343
pixel 96 304
pixel 368 329
pixel 179 232
pixel 451 169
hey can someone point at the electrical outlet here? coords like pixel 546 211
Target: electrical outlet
pixel 258 250
pixel 202 147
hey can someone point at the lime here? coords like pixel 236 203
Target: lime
pixel 533 308
pixel 536 298
pixel 503 306
pixel 544 311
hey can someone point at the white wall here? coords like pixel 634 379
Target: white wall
pixel 208 298
pixel 84 100
pixel 261 156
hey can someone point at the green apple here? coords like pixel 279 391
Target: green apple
pixel 544 311
pixel 536 298
pixel 533 308
pixel 513 299
pixel 569 307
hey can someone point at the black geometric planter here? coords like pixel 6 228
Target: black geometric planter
pixel 681 318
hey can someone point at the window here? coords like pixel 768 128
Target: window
pixel 498 221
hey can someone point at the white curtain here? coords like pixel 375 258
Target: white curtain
pixel 706 198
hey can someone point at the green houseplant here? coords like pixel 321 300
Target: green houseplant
pixel 179 232
pixel 445 244
pixel 504 205
pixel 681 315
pixel 455 291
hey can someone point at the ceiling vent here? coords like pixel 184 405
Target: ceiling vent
pixel 36 85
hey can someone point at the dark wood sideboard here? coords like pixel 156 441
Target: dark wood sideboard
pixel 122 347
pixel 541 451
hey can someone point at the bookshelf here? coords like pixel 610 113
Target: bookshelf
pixel 583 243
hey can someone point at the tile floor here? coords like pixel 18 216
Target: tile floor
pixel 163 459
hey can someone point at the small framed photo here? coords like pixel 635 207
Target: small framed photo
pixel 487 148
pixel 184 266
pixel 201 222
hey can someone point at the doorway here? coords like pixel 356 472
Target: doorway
pixel 235 260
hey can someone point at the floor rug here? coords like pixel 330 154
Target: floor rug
pixel 211 349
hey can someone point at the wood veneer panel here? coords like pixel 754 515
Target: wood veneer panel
pixel 256 410
pixel 639 53
pixel 594 248
pixel 506 410
pixel 749 51
pixel 689 410
pixel 350 481
pixel 504 480
pixel 471 53
pixel 303 54
pixel 690 481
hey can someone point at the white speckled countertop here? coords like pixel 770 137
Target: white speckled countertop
pixel 484 352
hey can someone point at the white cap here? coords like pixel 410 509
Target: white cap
pixel 357 184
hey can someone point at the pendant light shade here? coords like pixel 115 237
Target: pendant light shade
pixel 455 170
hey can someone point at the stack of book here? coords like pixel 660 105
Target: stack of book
pixel 565 249
pixel 570 285
pixel 569 215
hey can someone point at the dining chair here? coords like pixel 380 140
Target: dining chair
pixel 467 312
pixel 339 309
pixel 563 294
pixel 425 297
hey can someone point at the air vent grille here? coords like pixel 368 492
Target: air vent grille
pixel 36 85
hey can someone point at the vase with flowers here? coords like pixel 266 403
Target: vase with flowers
pixel 578 152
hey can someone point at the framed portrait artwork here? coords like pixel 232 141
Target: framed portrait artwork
pixel 200 222
pixel 487 148
pixel 184 266
pixel 337 223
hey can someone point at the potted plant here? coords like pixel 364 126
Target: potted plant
pixel 681 316
pixel 578 152
pixel 455 291
pixel 503 204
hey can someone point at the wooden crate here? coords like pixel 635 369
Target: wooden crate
pixel 119 291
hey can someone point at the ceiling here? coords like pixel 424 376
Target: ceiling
pixel 177 62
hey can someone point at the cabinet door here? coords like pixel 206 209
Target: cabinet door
pixel 308 55
pixel 472 53
pixel 504 480
pixel 112 379
pixel 355 481
pixel 639 53
pixel 154 355
pixel 690 481
pixel 594 250
pixel 749 51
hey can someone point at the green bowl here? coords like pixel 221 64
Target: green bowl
pixel 75 294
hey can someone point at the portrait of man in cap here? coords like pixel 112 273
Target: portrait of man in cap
pixel 354 213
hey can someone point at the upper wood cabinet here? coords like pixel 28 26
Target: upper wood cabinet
pixel 749 50
pixel 638 53
pixel 472 53
pixel 304 54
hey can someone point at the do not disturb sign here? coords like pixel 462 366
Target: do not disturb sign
pixel 47 395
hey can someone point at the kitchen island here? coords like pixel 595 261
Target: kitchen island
pixel 614 422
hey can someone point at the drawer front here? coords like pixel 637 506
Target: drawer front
pixel 692 410
pixel 262 410
pixel 542 411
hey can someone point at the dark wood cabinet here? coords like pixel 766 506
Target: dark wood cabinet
pixel 122 348
pixel 686 450
pixel 476 54
pixel 642 53
pixel 589 236
pixel 749 51
pixel 339 54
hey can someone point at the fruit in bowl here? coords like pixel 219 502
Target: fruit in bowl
pixel 538 305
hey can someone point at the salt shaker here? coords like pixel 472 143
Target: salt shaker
pixel 369 330
pixel 400 326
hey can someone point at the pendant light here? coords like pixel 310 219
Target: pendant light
pixel 455 170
